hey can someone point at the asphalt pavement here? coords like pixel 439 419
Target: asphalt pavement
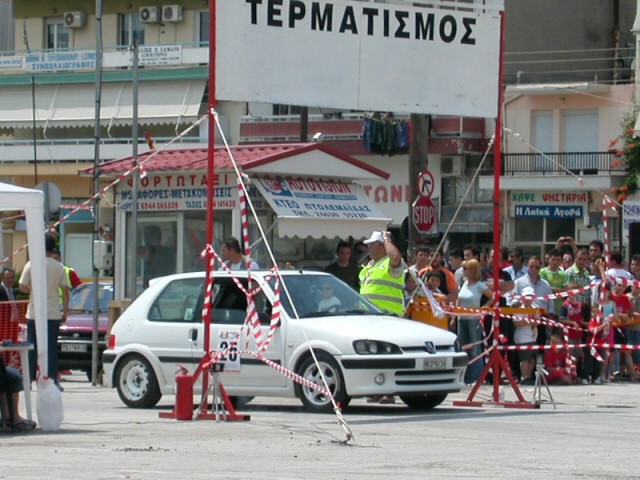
pixel 593 433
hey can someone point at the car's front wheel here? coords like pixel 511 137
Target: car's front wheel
pixel 136 382
pixel 423 402
pixel 314 400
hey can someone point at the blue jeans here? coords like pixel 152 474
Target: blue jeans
pixel 470 331
pixel 634 339
pixel 53 326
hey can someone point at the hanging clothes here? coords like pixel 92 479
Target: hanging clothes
pixel 385 135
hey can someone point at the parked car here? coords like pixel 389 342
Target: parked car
pixel 75 344
pixel 360 350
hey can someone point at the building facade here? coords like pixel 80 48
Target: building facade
pixel 568 88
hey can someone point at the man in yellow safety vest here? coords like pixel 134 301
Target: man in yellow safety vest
pixel 382 279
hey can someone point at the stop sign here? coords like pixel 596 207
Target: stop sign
pixel 424 214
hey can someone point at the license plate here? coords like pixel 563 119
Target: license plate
pixel 74 347
pixel 434 363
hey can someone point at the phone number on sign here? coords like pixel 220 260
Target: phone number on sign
pixel 158 205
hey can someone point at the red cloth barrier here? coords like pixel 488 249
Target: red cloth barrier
pixel 12 321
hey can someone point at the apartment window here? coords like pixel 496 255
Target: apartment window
pixel 202 34
pixel 580 129
pixel 57 34
pixel 130 28
pixel 543 139
pixel 286 109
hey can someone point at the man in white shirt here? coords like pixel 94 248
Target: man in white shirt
pixel 233 259
pixel 56 278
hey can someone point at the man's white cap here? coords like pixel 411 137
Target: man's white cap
pixel 528 291
pixel 376 236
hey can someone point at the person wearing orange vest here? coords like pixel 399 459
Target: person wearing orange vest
pixel 420 309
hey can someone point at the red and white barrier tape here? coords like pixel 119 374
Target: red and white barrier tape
pixel 216 355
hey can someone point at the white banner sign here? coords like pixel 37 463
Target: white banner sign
pixel 179 192
pixel 309 199
pixel 359 55
pixel 159 55
pixel 630 214
pixel 11 62
pixel 60 61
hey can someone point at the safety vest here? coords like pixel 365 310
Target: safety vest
pixel 381 289
pixel 67 272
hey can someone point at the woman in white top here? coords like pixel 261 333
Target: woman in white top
pixel 470 327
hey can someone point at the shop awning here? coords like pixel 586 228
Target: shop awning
pixel 73 105
pixel 321 208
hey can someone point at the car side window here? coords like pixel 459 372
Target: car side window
pixel 229 302
pixel 177 302
pixel 263 307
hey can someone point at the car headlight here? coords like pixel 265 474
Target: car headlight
pixel 375 347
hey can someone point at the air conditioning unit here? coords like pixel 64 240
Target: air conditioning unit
pixel 172 13
pixel 149 14
pixel 75 19
pixel 452 166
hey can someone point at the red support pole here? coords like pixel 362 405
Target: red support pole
pixel 496 363
pixel 211 143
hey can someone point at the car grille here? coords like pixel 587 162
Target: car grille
pixel 423 348
pixel 425 377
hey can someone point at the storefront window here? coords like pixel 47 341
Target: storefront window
pixel 194 237
pixel 538 235
pixel 157 247
pixel 529 229
pixel 557 227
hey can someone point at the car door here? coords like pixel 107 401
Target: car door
pixel 228 315
pixel 175 340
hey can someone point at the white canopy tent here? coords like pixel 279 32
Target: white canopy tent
pixel 30 201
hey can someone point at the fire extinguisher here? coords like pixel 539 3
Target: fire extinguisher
pixel 184 394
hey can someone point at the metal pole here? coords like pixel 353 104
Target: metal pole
pixel 33 114
pixel 96 189
pixel 132 227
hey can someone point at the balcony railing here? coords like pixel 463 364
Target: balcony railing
pixel 555 164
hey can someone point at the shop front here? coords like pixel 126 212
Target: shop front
pixel 538 218
pixel 303 198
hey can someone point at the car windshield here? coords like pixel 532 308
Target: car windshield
pixel 322 295
pixel 82 297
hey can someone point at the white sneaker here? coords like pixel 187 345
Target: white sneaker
pixel 597 381
pixel 584 381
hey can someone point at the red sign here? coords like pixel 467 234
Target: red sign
pixel 424 214
pixel 425 183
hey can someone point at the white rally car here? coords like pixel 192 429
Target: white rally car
pixel 361 351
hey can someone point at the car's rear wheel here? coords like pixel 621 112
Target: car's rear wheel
pixel 314 400
pixel 423 402
pixel 136 382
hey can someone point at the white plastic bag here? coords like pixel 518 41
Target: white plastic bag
pixel 49 405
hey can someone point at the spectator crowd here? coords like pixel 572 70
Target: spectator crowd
pixel 572 311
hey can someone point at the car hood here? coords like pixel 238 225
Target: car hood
pixel 399 331
pixel 84 322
